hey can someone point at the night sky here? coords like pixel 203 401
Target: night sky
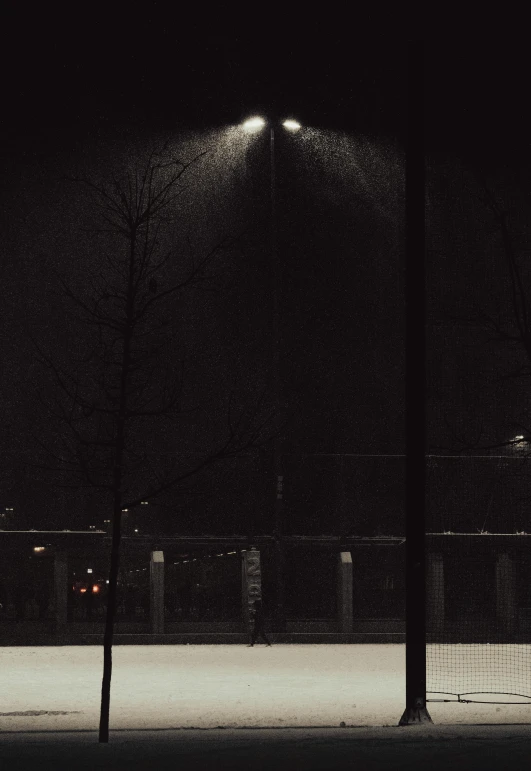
pixel 64 88
pixel 340 241
pixel 477 128
pixel 70 96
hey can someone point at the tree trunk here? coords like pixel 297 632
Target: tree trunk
pixel 117 509
pixel 109 620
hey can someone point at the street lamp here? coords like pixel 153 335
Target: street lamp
pixel 254 125
pixel 257 123
pixel 291 125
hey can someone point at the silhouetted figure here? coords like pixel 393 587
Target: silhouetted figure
pixel 257 612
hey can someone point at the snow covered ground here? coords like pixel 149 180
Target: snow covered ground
pixel 208 686
pixel 275 705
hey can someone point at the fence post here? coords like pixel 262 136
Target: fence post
pixel 156 586
pixel 251 581
pixel 344 591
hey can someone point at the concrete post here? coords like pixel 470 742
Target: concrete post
pixel 344 591
pixel 251 581
pixel 435 598
pixel 60 571
pixel 156 592
pixel 505 594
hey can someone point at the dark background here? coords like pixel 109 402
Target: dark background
pixel 74 87
pixel 68 93
pixel 477 131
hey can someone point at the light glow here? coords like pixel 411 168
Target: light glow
pixel 291 125
pixel 38 548
pixel 254 124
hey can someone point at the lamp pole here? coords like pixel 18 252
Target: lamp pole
pixel 279 619
pixel 415 712
pixel 255 124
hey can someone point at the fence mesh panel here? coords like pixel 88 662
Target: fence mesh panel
pixel 478 579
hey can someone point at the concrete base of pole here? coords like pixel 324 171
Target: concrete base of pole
pixel 417 715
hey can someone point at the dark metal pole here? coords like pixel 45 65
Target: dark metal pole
pixel 415 291
pixel 280 621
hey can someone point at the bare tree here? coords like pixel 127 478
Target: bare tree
pixel 119 403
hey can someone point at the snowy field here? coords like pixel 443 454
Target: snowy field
pixel 231 686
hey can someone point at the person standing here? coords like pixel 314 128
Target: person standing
pixel 257 612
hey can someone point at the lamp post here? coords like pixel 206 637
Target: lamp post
pixel 254 125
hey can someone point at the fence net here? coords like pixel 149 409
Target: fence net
pixel 478 595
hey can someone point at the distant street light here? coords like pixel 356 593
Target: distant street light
pixel 255 124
